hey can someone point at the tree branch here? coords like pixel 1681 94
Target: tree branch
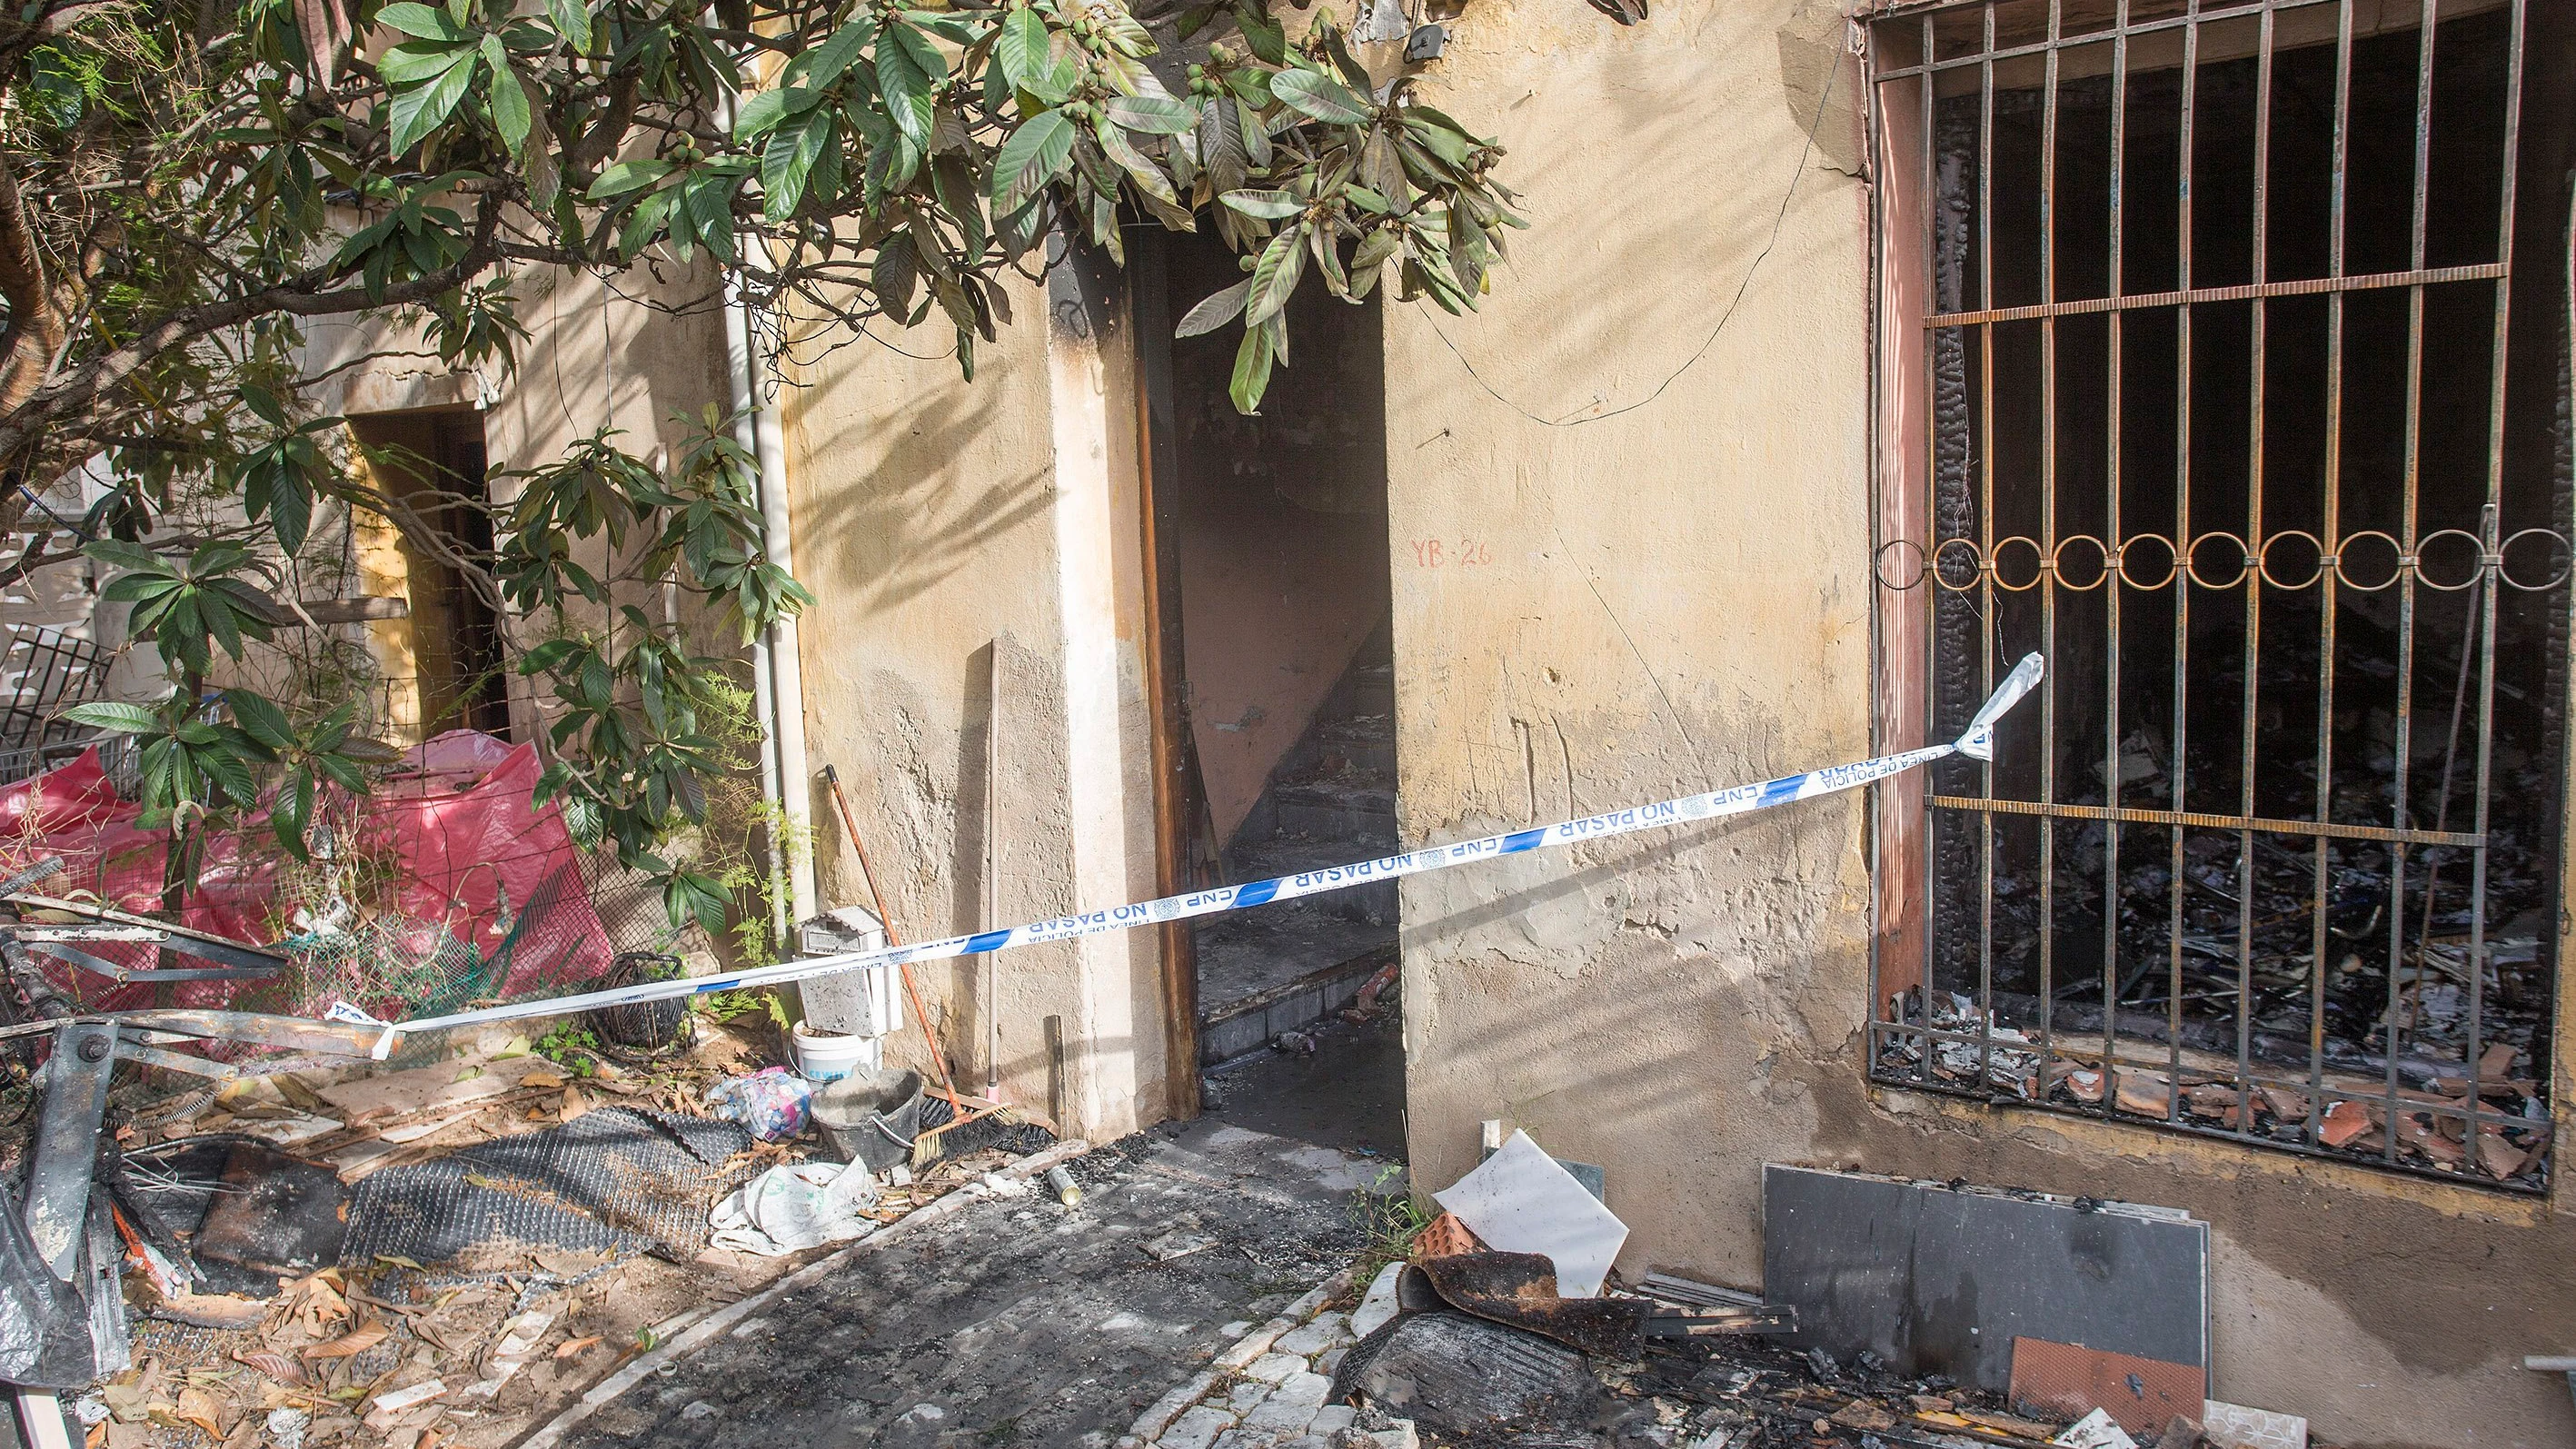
pixel 36 330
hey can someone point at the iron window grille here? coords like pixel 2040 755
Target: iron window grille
pixel 2194 371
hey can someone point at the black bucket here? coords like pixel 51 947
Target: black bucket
pixel 870 1118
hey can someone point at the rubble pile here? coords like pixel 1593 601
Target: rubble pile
pixel 429 1256
pixel 2267 941
pixel 2349 1115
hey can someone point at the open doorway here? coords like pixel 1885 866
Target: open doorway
pixel 442 665
pixel 1276 549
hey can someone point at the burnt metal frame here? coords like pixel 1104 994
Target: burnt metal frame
pixel 1903 826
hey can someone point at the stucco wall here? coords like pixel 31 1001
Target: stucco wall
pixel 944 525
pixel 638 355
pixel 1278 600
pixel 1677 595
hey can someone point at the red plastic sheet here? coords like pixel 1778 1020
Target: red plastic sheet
pixel 461 834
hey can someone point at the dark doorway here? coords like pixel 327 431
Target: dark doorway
pixel 1276 548
pixel 433 463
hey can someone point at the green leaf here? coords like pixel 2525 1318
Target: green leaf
pixel 127 556
pixel 1216 310
pixel 790 159
pixel 1020 48
pixel 1034 155
pixel 688 896
pixel 1148 177
pixel 628 176
pixel 820 67
pixel 230 771
pixel 411 64
pixel 760 111
pixel 923 50
pixel 1153 115
pixel 510 102
pixel 572 19
pixel 123 719
pixel 422 109
pixel 1251 370
pixel 1267 205
pixel 1274 277
pixel 291 812
pixel 906 89
pixel 895 275
pixel 1446 142
pixel 420 21
pixel 1319 96
pixel 371 752
pixel 1221 144
pixel 1267 37
pixel 261 718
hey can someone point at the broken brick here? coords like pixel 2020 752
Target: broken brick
pixel 2419 1131
pixel 2145 1093
pixel 2497 1154
pixel 2287 1105
pixel 2346 1121
pixel 1443 1237
pixel 2497 1062
pixel 2067 1381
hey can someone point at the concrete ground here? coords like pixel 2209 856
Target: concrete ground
pixel 1022 1321
pixel 1349 1094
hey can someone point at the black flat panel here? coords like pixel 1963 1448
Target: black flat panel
pixel 1941 1279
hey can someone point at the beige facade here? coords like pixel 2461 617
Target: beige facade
pixel 1631 507
pixel 975 668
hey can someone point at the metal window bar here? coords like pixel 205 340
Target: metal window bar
pixel 2279 551
pixel 46 671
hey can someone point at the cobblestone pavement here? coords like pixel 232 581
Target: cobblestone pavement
pixel 1266 1390
pixel 1022 1321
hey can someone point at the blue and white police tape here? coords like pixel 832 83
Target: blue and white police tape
pixel 1977 742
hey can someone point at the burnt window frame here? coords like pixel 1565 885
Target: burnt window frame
pixel 1909 44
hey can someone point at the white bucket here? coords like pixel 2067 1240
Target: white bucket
pixel 828 1057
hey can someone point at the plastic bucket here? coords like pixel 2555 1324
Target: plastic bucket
pixel 828 1057
pixel 870 1118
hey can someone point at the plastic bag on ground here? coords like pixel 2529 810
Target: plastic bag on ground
pixel 773 1102
pixel 792 1208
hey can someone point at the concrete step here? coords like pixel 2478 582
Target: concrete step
pixel 1357 807
pixel 1229 1029
pixel 1371 904
pixel 1364 742
pixel 1375 690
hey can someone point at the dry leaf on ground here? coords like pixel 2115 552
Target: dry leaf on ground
pixel 357 1340
pixel 198 1407
pixel 274 1365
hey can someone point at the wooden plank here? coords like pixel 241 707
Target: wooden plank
pixel 429 1089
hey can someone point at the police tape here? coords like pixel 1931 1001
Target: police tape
pixel 1977 742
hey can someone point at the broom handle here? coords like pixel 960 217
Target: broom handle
pixel 911 991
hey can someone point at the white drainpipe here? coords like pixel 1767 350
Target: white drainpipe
pixel 778 683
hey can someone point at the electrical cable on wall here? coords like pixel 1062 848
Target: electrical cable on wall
pixel 1778 221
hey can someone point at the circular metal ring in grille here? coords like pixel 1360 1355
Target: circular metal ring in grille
pixel 2281 572
pixel 2133 573
pixel 2453 559
pixel 2071 574
pixel 2438 554
pixel 2008 568
pixel 2557 559
pixel 2370 555
pixel 1920 566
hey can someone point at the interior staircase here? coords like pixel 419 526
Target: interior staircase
pixel 1331 800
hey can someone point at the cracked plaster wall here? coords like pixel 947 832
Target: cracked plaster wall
pixel 971 547
pixel 1677 596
